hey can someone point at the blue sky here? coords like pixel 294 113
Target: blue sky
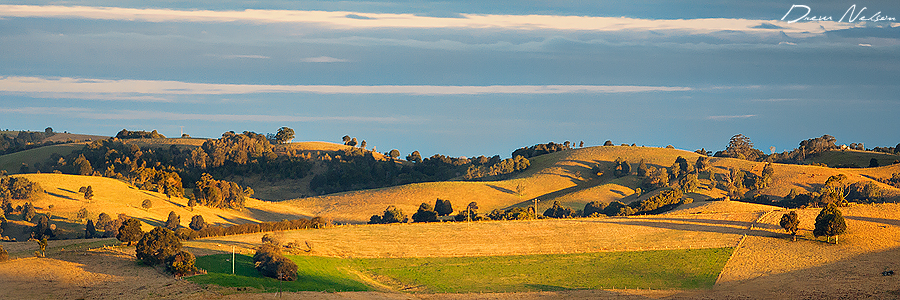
pixel 456 78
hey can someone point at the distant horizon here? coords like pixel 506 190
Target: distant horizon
pixel 458 78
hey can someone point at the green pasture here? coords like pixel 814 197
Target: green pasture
pixel 663 269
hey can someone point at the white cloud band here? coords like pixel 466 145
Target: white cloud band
pixel 130 89
pixel 343 19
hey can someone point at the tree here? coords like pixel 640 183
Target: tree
pixel 623 168
pixel 346 139
pixel 394 154
pixel 352 142
pixel 88 192
pixel 873 163
pixel 393 215
pixel 42 246
pixel 472 210
pixel 520 189
pixel 197 223
pixel 642 169
pixel 593 208
pixel 82 214
pixel 28 212
pixel 689 183
pixel 791 223
pixel 271 263
pixel 130 231
pixel 42 228
pixel 157 245
pixel 608 143
pixel 414 157
pixel 181 263
pixel 89 230
pixel 443 207
pixel 284 135
pixel 83 166
pixel 581 144
pixel 425 213
pixel 702 164
pixel 362 144
pixel 146 204
pixel 103 220
pixel 830 223
pixel 557 211
pixel 173 221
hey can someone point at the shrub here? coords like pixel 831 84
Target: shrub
pixel 82 214
pixel 28 212
pixel 147 204
pixel 393 215
pixel 617 208
pixel 157 245
pixel 130 231
pixel 181 263
pixel 664 198
pixel 269 261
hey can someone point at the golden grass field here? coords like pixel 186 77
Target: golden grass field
pixel 113 197
pixel 565 177
pixel 766 265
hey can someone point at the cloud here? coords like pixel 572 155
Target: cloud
pixel 344 19
pixel 129 88
pixel 323 59
pixel 85 113
pixel 725 118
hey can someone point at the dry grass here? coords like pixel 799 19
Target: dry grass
pixel 113 197
pixel 554 236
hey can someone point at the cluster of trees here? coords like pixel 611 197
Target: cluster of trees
pixel 18 188
pixel 125 134
pixel 541 149
pixel 836 191
pixel 741 147
pixel 426 212
pixel 504 167
pixel 270 262
pixel 219 193
pixel 738 182
pixel 682 175
pixel 661 202
pixel 199 229
pixel 24 140
pixel 391 214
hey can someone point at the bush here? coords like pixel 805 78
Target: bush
pixel 791 223
pixel 617 208
pixel 181 263
pixel 89 230
pixel 147 204
pixel 269 261
pixel 130 231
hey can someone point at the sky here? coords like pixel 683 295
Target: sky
pixel 455 77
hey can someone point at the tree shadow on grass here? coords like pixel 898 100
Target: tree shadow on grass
pixel 875 220
pixel 504 190
pixel 545 287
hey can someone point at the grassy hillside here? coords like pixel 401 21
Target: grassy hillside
pixel 113 197
pixel 566 177
pixel 853 157
pixel 13 162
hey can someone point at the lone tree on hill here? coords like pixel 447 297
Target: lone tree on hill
pixel 284 135
pixel 608 143
pixel 87 191
pixel 130 231
pixel 791 223
pixel 147 204
pixel 346 139
pixel 173 221
pixel 830 223
pixel 394 154
pixel 82 214
pixel 197 223
pixel 157 245
pixel 352 142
